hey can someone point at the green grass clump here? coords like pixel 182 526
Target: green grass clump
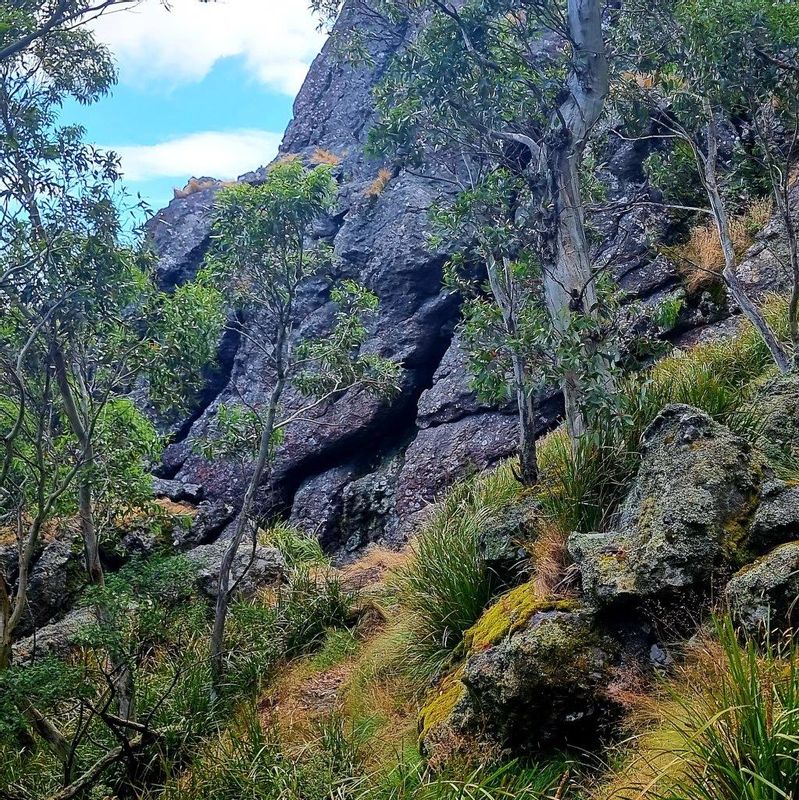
pixel 446 584
pixel 296 546
pixel 741 733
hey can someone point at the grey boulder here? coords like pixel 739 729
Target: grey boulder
pixel 253 567
pixel 765 594
pixel 686 516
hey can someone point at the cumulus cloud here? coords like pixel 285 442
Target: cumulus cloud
pixel 220 154
pixel 276 38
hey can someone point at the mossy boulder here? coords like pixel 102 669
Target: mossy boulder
pixel 534 677
pixel 686 517
pixel 766 593
pixel 776 519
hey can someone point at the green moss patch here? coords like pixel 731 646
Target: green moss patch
pixel 440 705
pixel 510 613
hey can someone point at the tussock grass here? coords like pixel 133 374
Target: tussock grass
pixel 700 259
pixel 445 585
pixel 725 726
pixel 297 547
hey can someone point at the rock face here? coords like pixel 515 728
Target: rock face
pixel 766 594
pixel 252 568
pixel 687 515
pixel 405 452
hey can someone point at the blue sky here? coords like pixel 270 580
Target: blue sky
pixel 204 89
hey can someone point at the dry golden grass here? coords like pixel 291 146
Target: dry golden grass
pixel 198 185
pixel 378 185
pixel 322 156
pixel 371 568
pixel 550 560
pixel 700 260
pixel 651 758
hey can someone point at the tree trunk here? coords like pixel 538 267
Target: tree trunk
pixel 245 524
pixel 5 630
pixel 569 280
pixel 729 274
pixel 91 547
pixel 504 291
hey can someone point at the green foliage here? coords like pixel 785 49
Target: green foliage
pixel 741 735
pixel 294 624
pixel 446 584
pixel 581 486
pixel 667 313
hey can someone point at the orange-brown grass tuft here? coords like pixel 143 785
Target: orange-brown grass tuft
pixel 550 560
pixel 700 260
pixel 378 185
pixel 322 156
pixel 371 568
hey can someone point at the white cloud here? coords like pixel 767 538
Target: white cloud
pixel 220 154
pixel 276 38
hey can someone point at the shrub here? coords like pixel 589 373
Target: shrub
pixel 446 585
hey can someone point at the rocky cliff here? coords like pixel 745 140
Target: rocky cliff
pixel 365 470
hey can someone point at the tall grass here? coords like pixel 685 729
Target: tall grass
pixel 446 584
pixel 741 732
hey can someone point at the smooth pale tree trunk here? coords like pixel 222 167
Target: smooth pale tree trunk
pixel 122 677
pixel 569 280
pixel 245 527
pixel 501 281
pixel 88 530
pixel 729 274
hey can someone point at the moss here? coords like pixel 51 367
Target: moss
pixel 440 705
pixel 510 613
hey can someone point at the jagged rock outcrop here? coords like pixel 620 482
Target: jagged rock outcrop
pixel 686 516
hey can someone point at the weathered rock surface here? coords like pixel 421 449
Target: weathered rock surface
pixel 776 519
pixel 210 520
pixel 686 516
pixel 253 568
pixel 534 677
pixel 55 580
pixel 56 639
pixel 766 593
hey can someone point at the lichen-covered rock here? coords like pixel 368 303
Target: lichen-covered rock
pixel 776 519
pixel 253 568
pixel 778 402
pixel 211 518
pixel 687 515
pixel 55 580
pixel 766 593
pixel 501 541
pixel 534 677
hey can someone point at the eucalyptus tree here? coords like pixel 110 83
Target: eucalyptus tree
pixel 82 319
pixel 517 85
pixel 703 68
pixel 261 254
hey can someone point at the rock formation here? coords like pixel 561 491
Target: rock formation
pixel 369 470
